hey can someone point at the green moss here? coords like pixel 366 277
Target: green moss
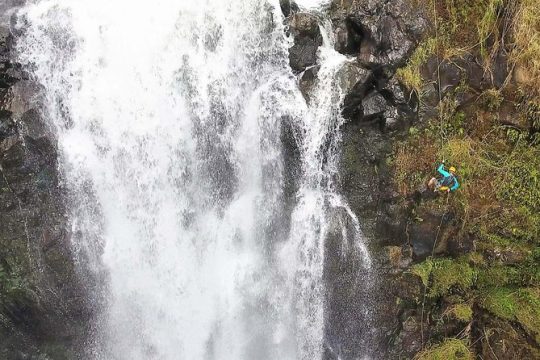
pixel 423 271
pixel 443 275
pixel 410 75
pixel 530 270
pixel 500 302
pixel 450 349
pixel 520 305
pixel 461 312
pixel 522 177
pixel 475 259
pixel 528 311
pixel 497 276
pixel 448 274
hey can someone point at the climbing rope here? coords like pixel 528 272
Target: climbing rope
pixel 439 89
pixel 432 255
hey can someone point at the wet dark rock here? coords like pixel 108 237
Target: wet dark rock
pixel 288 7
pixel 474 72
pixel 376 99
pixel 23 98
pixel 449 74
pixel 292 168
pixel 461 245
pixel 45 317
pixel 374 105
pixel 409 339
pixel 500 69
pixel 409 288
pixel 391 223
pixel 304 28
pixel 349 37
pixel 7 125
pixel 501 340
pixel 381 35
pixel 353 107
pixel 378 32
pixel 429 234
pixel 464 98
pixel 364 169
pixel 348 285
pixel 34 126
pixel 350 75
pixel 307 81
pixel 430 99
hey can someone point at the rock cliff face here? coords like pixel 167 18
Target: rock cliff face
pixel 379 37
pixel 44 308
pixel 430 279
pixel 42 303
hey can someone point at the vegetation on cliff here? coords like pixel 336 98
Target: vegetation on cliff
pixel 477 77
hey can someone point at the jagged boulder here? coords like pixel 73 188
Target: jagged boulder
pixel 288 7
pixel 380 33
pixel 304 27
pixel 307 81
pixel 430 233
pixel 378 99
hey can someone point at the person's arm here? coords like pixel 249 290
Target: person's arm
pixel 442 171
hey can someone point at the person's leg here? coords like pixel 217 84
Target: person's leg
pixel 432 184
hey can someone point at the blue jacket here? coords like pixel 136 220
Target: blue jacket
pixel 447 179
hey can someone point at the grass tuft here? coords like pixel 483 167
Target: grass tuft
pixel 450 349
pixel 461 312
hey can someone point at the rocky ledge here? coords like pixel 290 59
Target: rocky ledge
pixel 43 309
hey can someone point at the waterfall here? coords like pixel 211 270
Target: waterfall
pixel 168 119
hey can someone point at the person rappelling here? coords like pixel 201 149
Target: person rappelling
pixel 447 183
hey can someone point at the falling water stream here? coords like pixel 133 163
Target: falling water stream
pixel 168 116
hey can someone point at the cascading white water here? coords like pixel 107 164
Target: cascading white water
pixel 168 118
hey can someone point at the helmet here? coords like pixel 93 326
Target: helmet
pixel 452 169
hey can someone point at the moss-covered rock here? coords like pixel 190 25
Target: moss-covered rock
pixel 461 312
pixel 519 305
pixel 450 349
pixel 441 276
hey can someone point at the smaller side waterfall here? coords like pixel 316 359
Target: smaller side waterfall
pixel 321 210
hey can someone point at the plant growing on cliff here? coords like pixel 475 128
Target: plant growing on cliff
pixel 520 305
pixel 526 36
pixel 410 75
pixel 450 349
pixel 493 140
pixel 460 312
pixel 442 275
